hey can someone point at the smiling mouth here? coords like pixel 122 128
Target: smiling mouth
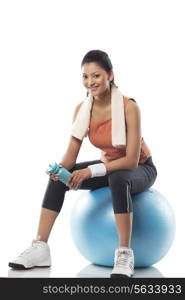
pixel 93 88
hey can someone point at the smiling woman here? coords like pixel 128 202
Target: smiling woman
pixel 112 123
pixel 97 72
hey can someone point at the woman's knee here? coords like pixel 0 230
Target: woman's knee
pixel 118 179
pixel 54 195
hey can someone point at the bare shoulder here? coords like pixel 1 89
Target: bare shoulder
pixel 132 106
pixel 132 113
pixel 76 110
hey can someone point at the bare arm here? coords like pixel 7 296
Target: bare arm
pixel 69 158
pixel 130 161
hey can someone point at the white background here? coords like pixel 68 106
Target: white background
pixel 42 46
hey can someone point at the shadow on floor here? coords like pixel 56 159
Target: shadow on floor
pixel 94 271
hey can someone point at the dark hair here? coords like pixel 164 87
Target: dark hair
pixel 101 58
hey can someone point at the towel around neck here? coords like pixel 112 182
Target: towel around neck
pixel 81 123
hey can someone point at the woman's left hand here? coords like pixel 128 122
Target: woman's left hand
pixel 77 177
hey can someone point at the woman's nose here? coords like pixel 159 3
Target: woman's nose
pixel 91 82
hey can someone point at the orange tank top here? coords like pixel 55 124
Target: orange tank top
pixel 99 134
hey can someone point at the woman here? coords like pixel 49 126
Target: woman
pixel 125 166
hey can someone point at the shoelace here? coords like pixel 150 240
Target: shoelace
pixel 33 245
pixel 123 259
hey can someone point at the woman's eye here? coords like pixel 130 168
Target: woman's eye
pixel 96 76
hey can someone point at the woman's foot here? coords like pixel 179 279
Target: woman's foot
pixel 123 263
pixel 37 255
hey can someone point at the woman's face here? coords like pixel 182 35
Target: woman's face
pixel 95 79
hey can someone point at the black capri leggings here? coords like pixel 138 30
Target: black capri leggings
pixel 122 183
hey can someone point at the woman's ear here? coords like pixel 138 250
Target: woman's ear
pixel 111 76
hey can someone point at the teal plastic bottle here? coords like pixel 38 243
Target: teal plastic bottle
pixel 61 171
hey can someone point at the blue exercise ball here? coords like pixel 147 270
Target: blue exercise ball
pixel 94 232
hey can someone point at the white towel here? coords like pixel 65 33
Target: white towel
pixel 81 123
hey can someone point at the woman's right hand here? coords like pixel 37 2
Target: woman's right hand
pixel 54 177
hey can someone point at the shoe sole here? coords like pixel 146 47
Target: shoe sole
pixel 22 267
pixel 120 275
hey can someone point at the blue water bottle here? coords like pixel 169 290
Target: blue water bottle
pixel 61 171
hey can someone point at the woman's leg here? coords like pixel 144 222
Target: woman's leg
pixel 46 222
pixel 124 228
pixel 38 254
pixel 123 183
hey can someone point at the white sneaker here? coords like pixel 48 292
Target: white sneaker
pixel 37 255
pixel 123 263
